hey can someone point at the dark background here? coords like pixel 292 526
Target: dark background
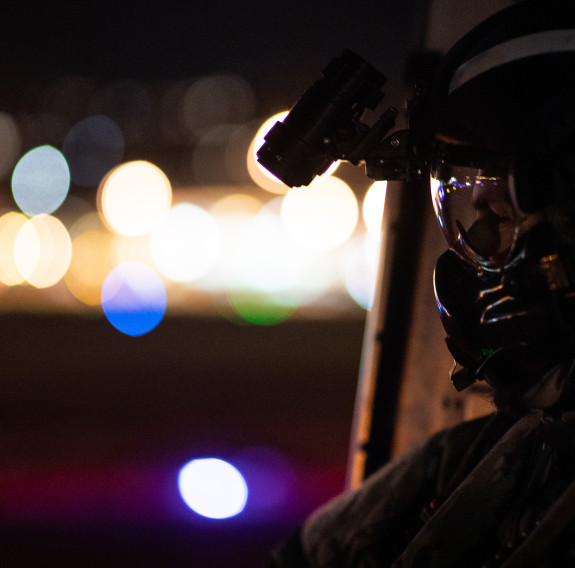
pixel 279 47
pixel 93 424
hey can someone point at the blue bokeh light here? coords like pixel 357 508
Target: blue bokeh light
pixel 134 298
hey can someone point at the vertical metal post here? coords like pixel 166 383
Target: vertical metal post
pixel 387 329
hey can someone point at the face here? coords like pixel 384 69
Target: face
pixel 477 215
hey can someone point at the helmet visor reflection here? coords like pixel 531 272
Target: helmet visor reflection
pixel 476 214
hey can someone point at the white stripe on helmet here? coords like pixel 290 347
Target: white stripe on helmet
pixel 551 41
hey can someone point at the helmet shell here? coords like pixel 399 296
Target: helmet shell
pixel 506 88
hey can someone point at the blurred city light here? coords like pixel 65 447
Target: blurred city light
pixel 235 207
pixel 133 298
pixel 128 248
pixel 261 308
pixel 262 177
pixel 213 488
pixel 43 251
pixel 322 215
pixel 40 181
pixel 187 243
pixel 234 215
pixel 134 197
pixel 10 225
pixel 266 258
pixel 92 261
pixel 373 206
pixel 261 252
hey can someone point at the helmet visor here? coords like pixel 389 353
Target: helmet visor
pixel 477 215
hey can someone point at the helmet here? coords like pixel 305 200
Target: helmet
pixel 497 128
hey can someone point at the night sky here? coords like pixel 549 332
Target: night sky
pixel 280 47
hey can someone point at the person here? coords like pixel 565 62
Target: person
pixel 496 128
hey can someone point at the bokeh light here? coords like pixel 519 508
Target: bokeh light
pixel 361 270
pixel 93 146
pixel 261 308
pixel 134 298
pixel 186 245
pixel 213 488
pixel 322 215
pixel 262 177
pixel 92 261
pixel 266 274
pixel 43 251
pixel 134 197
pixel 133 249
pixel 236 206
pixel 233 215
pixel 373 206
pixel 10 225
pixel 251 264
pixel 267 259
pixel 40 181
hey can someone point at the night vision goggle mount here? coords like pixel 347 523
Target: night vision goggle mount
pixel 325 126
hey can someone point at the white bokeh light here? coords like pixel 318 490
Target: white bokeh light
pixel 373 206
pixel 134 197
pixel 43 251
pixel 187 244
pixel 322 215
pixel 267 258
pixel 234 215
pixel 262 177
pixel 213 488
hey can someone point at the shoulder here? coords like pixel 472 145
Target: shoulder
pixel 387 499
